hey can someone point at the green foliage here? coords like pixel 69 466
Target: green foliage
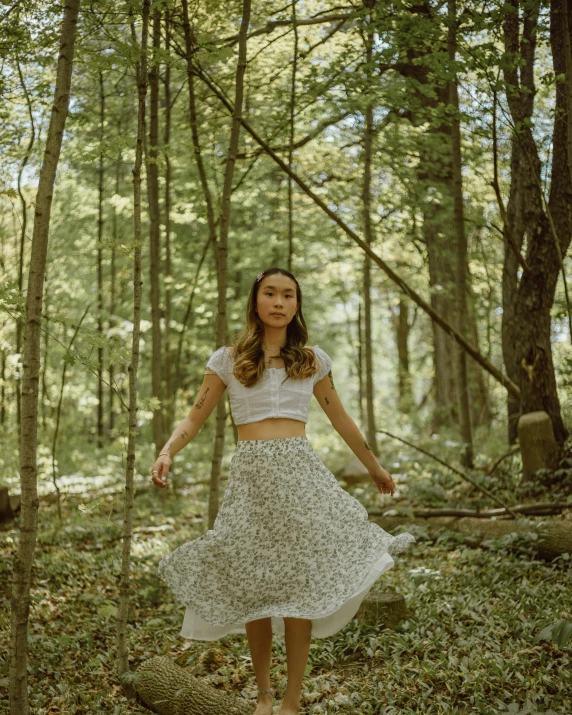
pixel 487 630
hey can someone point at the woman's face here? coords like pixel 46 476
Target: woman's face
pixel 276 301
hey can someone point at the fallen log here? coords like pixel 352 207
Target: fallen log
pixel 166 688
pixel 553 536
pixel 536 509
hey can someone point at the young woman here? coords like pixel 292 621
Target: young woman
pixel 291 551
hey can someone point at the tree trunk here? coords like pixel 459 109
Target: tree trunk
pixel 528 343
pixel 152 173
pixel 122 659
pixel 461 246
pixel 368 236
pixel 291 139
pixel 23 561
pixel 100 173
pixel 189 43
pixel 524 208
pixel 19 327
pixel 168 412
pixel 221 325
pixel 402 328
pixel 112 299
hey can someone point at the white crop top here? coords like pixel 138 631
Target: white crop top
pixel 268 398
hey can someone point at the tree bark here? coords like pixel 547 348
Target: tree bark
pixel 221 325
pixel 122 656
pixel 291 142
pixel 461 245
pixel 152 173
pixel 528 339
pixel 23 560
pixel 368 236
pixel 170 390
pixel 524 206
pixel 21 252
pixel 402 329
pixel 100 177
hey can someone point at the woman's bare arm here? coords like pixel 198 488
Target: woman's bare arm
pixel 209 394
pixel 326 394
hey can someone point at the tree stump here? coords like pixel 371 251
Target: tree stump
pixel 382 609
pixel 166 688
pixel 538 447
pixel 6 513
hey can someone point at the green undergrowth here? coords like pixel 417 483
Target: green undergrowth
pixel 468 645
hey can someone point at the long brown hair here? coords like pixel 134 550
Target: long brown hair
pixel 299 360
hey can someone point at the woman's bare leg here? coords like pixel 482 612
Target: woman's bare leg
pixel 259 634
pixel 297 635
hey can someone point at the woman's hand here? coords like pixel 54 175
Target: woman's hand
pixel 160 471
pixel 383 481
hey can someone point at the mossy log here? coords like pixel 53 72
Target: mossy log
pixel 166 688
pixel 538 446
pixel 382 609
pixel 554 535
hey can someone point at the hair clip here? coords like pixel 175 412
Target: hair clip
pixel 259 276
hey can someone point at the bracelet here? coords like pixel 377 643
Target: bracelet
pixel 167 453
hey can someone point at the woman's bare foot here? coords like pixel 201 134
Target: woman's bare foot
pixel 289 708
pixel 264 706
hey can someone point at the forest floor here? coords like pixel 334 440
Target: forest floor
pixel 469 644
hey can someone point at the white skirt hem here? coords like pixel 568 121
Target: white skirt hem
pixel 323 625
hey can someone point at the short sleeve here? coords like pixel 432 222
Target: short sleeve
pixel 217 363
pixel 325 364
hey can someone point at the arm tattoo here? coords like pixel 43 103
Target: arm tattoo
pixel 326 401
pixel 331 380
pixel 184 434
pixel 201 401
pixel 366 445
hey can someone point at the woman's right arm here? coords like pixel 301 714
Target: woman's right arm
pixel 209 394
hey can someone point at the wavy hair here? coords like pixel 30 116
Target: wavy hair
pixel 299 360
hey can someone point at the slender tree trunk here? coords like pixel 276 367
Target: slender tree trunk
pixel 100 265
pixel 169 387
pixel 361 388
pixel 221 325
pixel 23 560
pixel 207 195
pixel 44 387
pixel 402 328
pixel 19 326
pixel 152 167
pixel 461 245
pixel 291 143
pixel 112 300
pixel 368 236
pixel 122 650
pixel 567 33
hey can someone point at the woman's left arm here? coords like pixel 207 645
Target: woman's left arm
pixel 326 394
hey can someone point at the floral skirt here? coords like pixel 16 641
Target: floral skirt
pixel 288 541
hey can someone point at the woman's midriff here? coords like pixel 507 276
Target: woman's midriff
pixel 272 428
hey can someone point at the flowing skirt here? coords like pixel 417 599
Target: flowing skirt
pixel 288 541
